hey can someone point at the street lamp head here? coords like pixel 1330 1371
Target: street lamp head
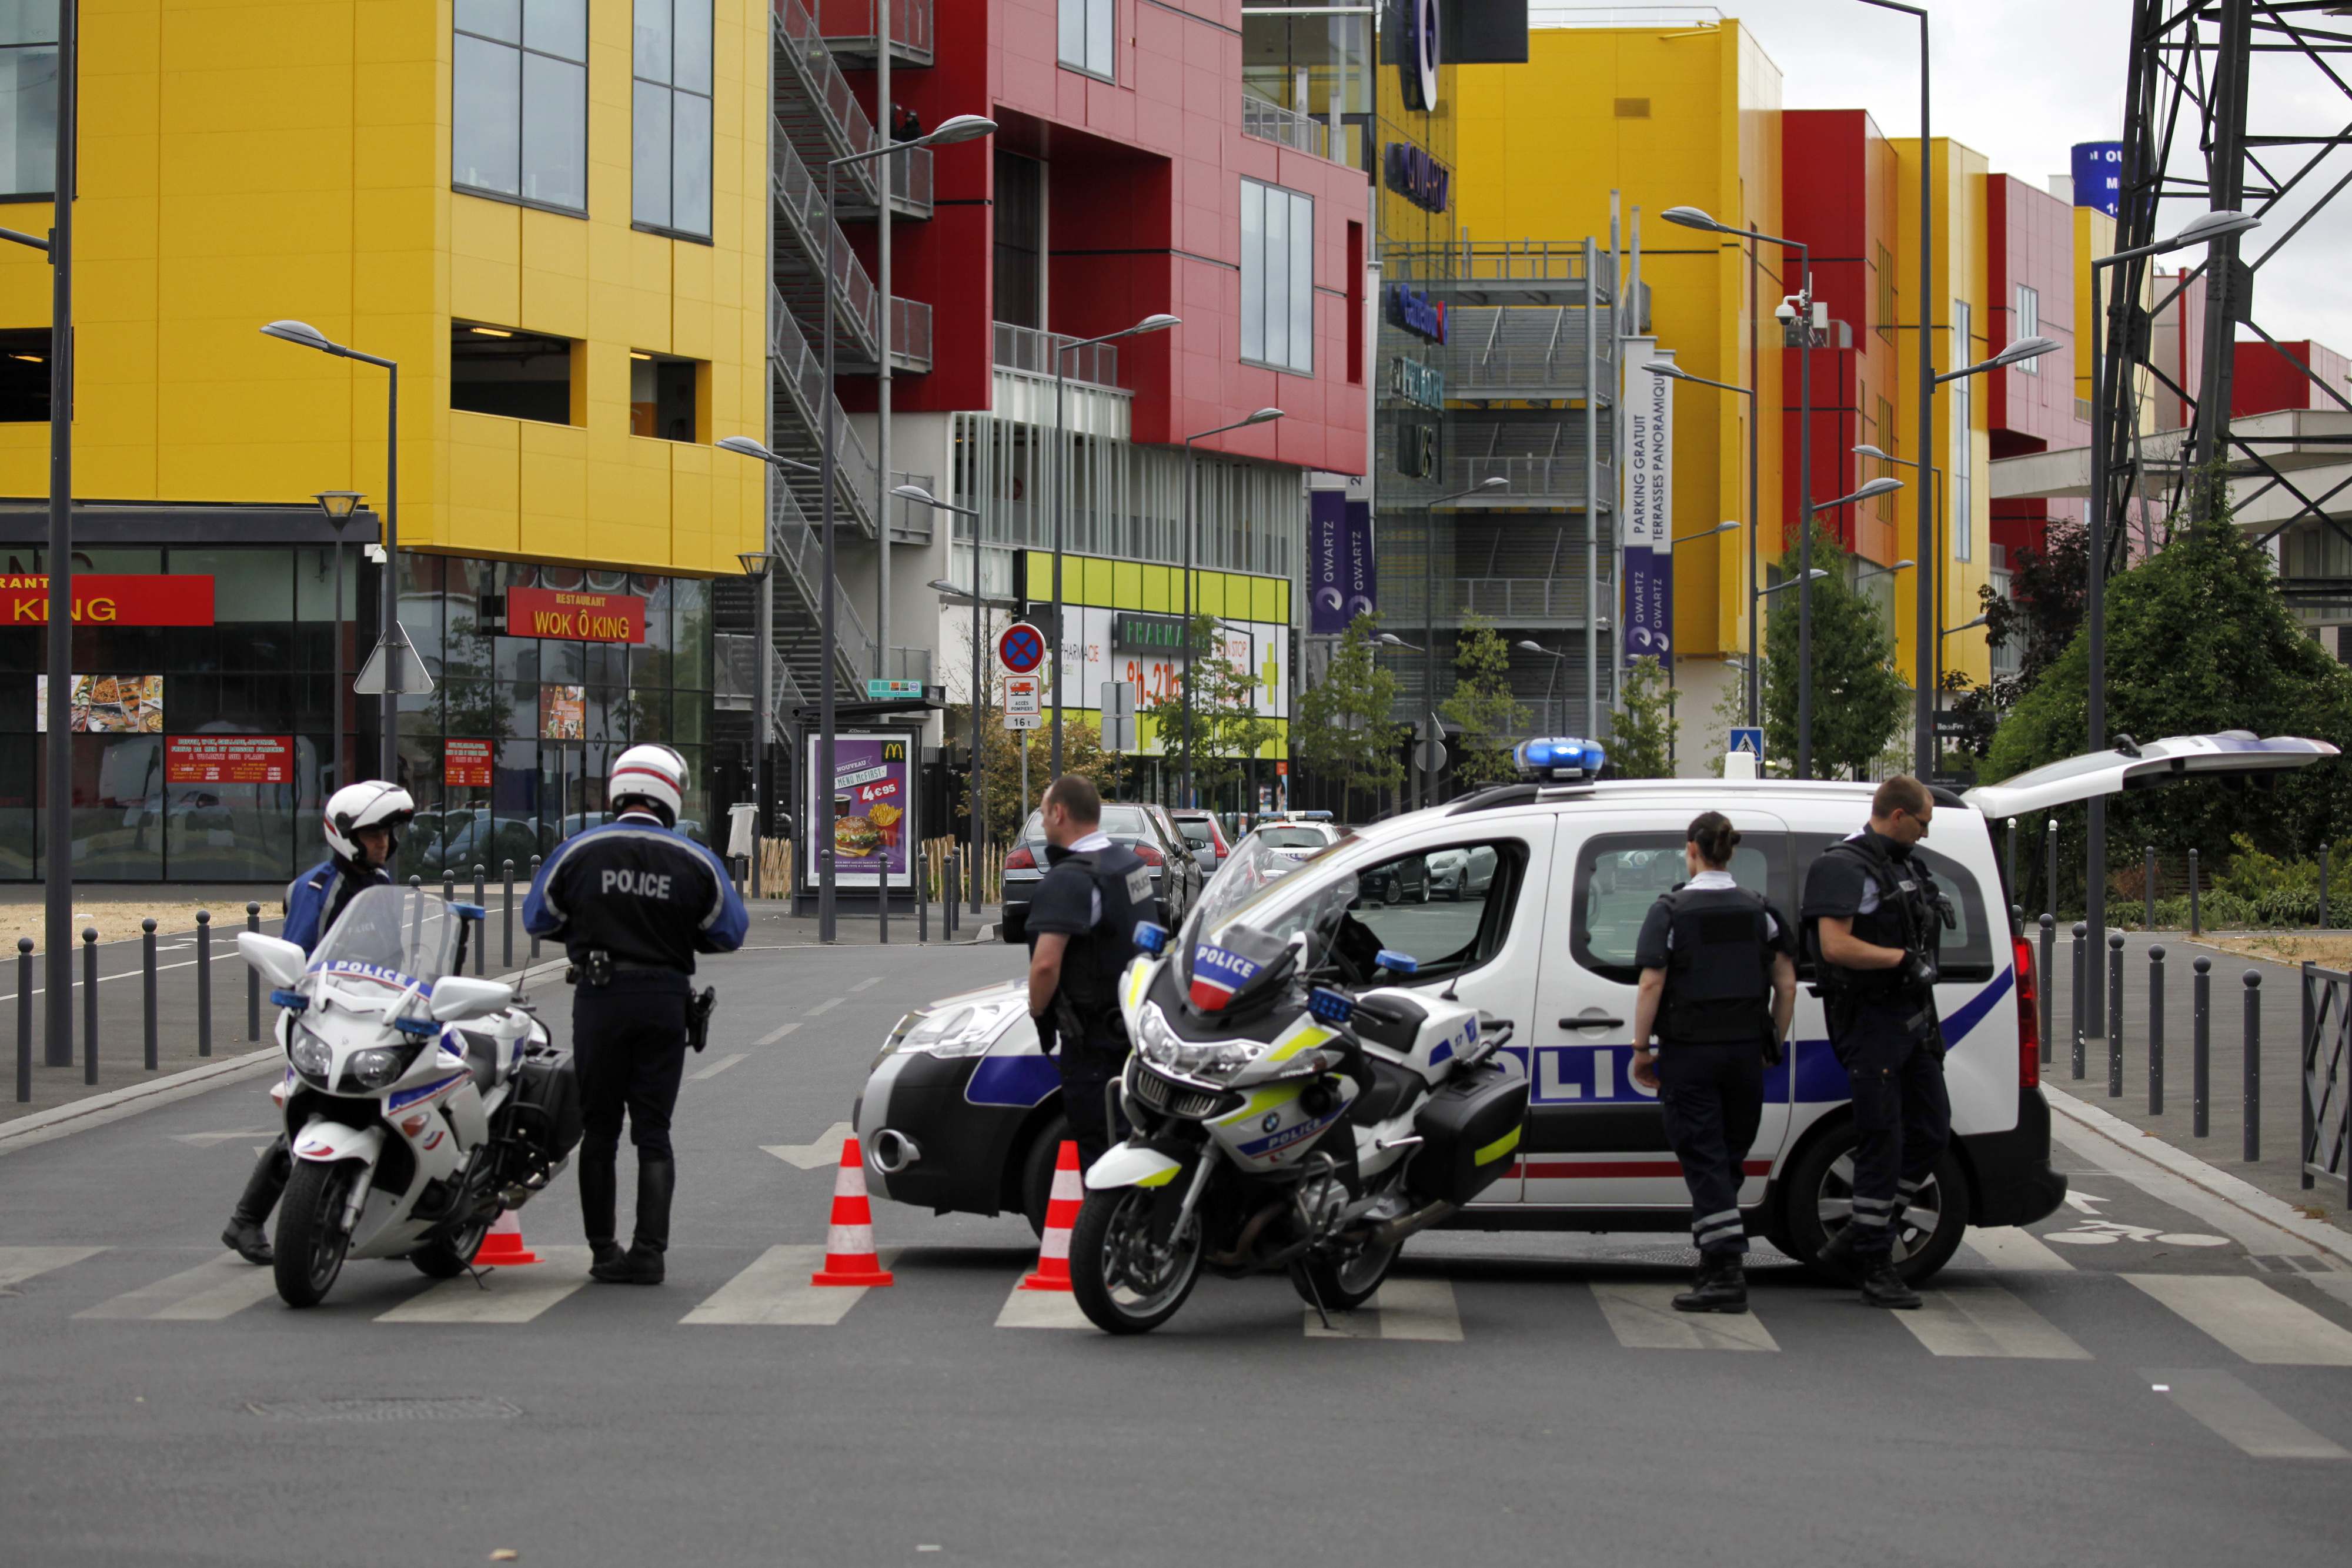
pixel 2022 349
pixel 942 585
pixel 1667 369
pixel 2207 227
pixel 1692 218
pixel 1866 450
pixel 338 505
pixel 1885 485
pixel 1263 416
pixel 744 446
pixel 1159 321
pixel 916 493
pixel 757 563
pixel 1525 647
pixel 301 332
pixel 959 128
pixel 1905 564
pixel 1492 482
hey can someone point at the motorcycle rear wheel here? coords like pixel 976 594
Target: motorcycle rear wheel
pixel 311 1240
pixel 1128 1273
pixel 446 1257
pixel 1344 1284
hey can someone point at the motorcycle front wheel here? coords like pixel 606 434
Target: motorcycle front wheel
pixel 311 1240
pixel 1128 1270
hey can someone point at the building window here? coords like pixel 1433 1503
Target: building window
pixel 1020 214
pixel 1086 28
pixel 518 101
pixel 2029 324
pixel 1963 444
pixel 662 399
pixel 1278 277
pixel 1883 292
pixel 516 375
pixel 670 118
pixel 25 375
pixel 28 98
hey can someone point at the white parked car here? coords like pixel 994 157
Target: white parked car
pixel 1298 841
pixel 1462 874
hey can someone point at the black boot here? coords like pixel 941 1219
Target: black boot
pixel 245 1235
pixel 1882 1287
pixel 643 1264
pixel 1721 1286
pixel 1839 1255
pixel 597 1182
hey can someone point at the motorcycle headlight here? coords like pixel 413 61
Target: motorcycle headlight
pixel 966 1028
pixel 375 1067
pixel 1156 1041
pixel 310 1057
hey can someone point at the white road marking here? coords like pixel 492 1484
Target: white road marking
pixel 825 1151
pixel 18 1264
pixel 718 1067
pixel 2252 1318
pixel 211 1291
pixel 826 1006
pixel 2088 1202
pixel 2233 1411
pixel 505 1296
pixel 2012 1248
pixel 1041 1310
pixel 778 1033
pixel 1643 1317
pixel 775 1290
pixel 2256 1236
pixel 206 1140
pixel 1417 1309
pixel 1987 1320
pixel 867 985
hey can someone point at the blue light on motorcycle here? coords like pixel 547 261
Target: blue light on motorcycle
pixel 1328 1005
pixel 1150 937
pixel 424 1026
pixel 1397 963
pixel 468 911
pixel 293 1000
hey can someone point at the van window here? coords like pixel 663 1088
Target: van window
pixel 1619 875
pixel 1966 950
pixel 1392 908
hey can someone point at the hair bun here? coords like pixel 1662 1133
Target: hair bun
pixel 1716 837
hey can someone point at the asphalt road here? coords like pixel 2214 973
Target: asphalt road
pixel 2149 1377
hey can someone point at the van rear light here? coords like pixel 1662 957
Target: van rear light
pixel 2029 1016
pixel 1021 858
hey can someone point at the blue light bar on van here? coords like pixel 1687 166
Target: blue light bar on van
pixel 1558 759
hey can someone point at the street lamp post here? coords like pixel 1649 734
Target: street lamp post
pixel 1754 518
pixel 339 506
pixel 760 566
pixel 1263 417
pixel 1429 619
pixel 979 608
pixel 1552 683
pixel 1156 322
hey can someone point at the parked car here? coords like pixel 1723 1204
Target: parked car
pixel 1202 830
pixel 1396 881
pixel 1183 858
pixel 1135 826
pixel 1461 874
pixel 1298 841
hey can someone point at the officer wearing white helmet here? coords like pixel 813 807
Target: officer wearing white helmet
pixel 363 823
pixel 632 902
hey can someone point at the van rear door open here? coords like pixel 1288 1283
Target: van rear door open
pixel 2234 753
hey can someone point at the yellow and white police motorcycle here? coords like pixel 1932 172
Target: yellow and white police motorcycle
pixel 1291 1111
pixel 419 1102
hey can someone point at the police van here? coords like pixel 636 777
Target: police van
pixel 960 1112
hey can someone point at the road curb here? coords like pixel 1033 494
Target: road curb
pixel 2235 1191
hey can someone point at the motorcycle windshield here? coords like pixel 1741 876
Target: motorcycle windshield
pixel 400 934
pixel 1246 892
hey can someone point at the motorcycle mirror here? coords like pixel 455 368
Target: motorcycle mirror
pixel 457 998
pixel 277 960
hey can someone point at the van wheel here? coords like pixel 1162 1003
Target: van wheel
pixel 1819 1202
pixel 1037 1172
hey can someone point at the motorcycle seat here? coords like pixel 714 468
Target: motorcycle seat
pixel 482 1059
pixel 1391 1090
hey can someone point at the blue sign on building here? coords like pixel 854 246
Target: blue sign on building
pixel 1417 312
pixel 2099 176
pixel 1418 178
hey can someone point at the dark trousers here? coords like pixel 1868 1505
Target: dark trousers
pixel 1712 1097
pixel 1087 1072
pixel 1902 1119
pixel 629 1041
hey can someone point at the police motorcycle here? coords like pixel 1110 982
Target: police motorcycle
pixel 1291 1110
pixel 420 1103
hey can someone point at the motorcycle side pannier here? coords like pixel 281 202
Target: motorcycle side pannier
pixel 1470 1130
pixel 544 1111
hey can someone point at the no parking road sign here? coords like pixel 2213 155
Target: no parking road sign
pixel 1021 649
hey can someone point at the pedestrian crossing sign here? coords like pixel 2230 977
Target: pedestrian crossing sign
pixel 1750 739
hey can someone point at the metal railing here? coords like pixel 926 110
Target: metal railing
pixel 802 374
pixel 851 22
pixel 912 523
pixel 802 198
pixel 1272 122
pixel 804 46
pixel 1525 600
pixel 801 553
pixel 1524 368
pixel 910 331
pixel 1030 352
pixel 1501 262
pixel 1534 481
pixel 910 665
pixel 2327 1075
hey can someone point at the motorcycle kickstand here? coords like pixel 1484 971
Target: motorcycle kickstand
pixel 1306 1282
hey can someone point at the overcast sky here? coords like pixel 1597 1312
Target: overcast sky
pixel 2021 81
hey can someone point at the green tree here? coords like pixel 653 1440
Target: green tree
pixel 1859 702
pixel 1000 756
pixel 1342 730
pixel 1643 743
pixel 1227 728
pixel 1729 713
pixel 1492 720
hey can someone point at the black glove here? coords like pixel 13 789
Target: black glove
pixel 1046 1032
pixel 1919 972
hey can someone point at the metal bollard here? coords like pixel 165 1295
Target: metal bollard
pixel 506 959
pixel 204 982
pixel 416 883
pixel 2200 1046
pixel 951 890
pixel 481 922
pixel 2009 869
pixel 2148 890
pixel 481 889
pixel 2115 1015
pixel 147 985
pixel 2192 894
pixel 252 980
pixel 2156 1030
pixel 2254 1065
pixel 2049 991
pixel 534 882
pixel 2323 887
pixel 2050 861
pixel 24 1019
pixel 2081 931
pixel 90 1003
pixel 449 884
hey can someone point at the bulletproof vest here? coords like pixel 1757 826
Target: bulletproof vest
pixel 1905 917
pixel 1719 969
pixel 1094 961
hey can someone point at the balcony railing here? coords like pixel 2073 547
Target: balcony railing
pixel 910 665
pixel 1528 600
pixel 1032 352
pixel 1533 481
pixel 1528 368
pixel 911 333
pixel 848 26
pixel 1272 122
pixel 911 522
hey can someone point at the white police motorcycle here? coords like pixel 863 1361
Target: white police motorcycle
pixel 1290 1111
pixel 419 1103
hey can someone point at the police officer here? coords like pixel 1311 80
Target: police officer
pixel 1081 930
pixel 632 902
pixel 1718 988
pixel 363 823
pixel 1872 914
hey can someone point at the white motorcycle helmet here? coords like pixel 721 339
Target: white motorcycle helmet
pixel 654 774
pixel 372 804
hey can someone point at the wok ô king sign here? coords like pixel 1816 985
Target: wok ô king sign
pixel 575 617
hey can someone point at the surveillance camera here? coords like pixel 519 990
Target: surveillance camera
pixel 1788 310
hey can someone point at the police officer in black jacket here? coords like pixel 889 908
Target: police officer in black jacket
pixel 632 902
pixel 1081 932
pixel 1873 919
pixel 1718 988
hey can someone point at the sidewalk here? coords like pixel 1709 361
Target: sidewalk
pixel 2276 1170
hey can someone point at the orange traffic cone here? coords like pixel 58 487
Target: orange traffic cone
pixel 504 1247
pixel 1053 1270
pixel 849 1256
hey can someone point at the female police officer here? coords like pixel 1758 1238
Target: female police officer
pixel 1718 988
